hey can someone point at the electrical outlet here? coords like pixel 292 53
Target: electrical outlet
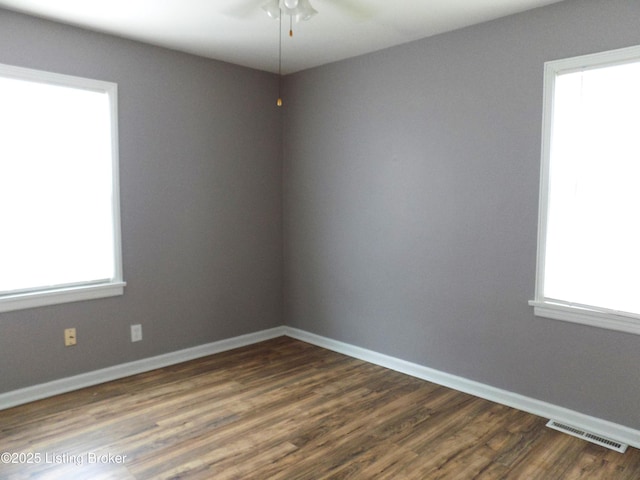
pixel 136 333
pixel 70 338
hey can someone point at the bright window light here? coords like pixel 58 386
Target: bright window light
pixel 588 258
pixel 593 233
pixel 58 188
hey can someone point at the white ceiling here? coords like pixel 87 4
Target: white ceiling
pixel 240 32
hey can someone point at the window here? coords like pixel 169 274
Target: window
pixel 589 227
pixel 59 201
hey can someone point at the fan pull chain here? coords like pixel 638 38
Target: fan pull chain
pixel 279 102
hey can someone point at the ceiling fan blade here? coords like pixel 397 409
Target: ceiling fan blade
pixel 353 8
pixel 243 8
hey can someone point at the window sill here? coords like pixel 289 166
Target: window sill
pixel 60 295
pixel 585 316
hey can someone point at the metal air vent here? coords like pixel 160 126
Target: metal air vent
pixel 588 436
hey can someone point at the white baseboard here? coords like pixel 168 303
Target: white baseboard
pixel 595 425
pixel 64 385
pixel 598 426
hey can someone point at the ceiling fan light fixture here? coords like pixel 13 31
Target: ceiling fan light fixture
pixel 272 8
pixel 305 10
pixel 300 9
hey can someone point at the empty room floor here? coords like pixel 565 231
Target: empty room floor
pixel 285 409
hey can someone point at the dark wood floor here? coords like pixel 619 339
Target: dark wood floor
pixel 285 410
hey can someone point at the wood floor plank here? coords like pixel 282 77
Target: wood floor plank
pixel 286 410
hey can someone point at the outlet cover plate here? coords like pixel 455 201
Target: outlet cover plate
pixel 136 333
pixel 70 338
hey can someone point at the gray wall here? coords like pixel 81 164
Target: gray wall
pixel 201 176
pixel 410 207
pixel 411 201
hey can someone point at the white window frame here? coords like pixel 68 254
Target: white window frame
pixel 78 291
pixel 546 307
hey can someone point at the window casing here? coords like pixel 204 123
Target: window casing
pixel 588 264
pixel 59 192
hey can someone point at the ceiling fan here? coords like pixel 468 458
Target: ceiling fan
pixel 294 9
pixel 247 8
pixel 298 9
